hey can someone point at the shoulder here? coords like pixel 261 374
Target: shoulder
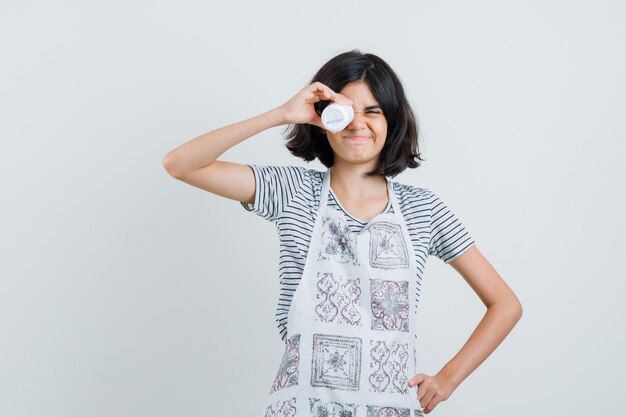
pixel 283 176
pixel 279 187
pixel 308 179
pixel 311 174
pixel 278 170
pixel 290 182
pixel 409 195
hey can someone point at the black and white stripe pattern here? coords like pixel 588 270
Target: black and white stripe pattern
pixel 289 196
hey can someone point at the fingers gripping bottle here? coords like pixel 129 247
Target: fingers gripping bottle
pixel 336 117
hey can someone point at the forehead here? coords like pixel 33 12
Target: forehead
pixel 359 91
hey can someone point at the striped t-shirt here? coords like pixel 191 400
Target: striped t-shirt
pixel 289 197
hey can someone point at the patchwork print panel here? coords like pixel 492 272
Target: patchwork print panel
pixel 390 367
pixel 285 408
pixel 390 305
pixel 336 362
pixel 339 299
pixel 288 370
pixel 373 411
pixel 338 243
pixel 331 408
pixel 387 247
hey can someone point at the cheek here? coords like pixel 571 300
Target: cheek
pixel 381 128
pixel 382 125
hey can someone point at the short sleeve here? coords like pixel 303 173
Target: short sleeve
pixel 275 188
pixel 449 238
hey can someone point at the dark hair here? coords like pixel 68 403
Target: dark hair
pixel 400 149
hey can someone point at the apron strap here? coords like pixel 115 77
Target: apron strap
pixel 325 190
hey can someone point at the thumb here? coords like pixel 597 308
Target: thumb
pixel 417 379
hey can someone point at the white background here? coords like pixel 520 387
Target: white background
pixel 124 292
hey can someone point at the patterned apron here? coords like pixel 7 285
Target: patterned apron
pixel 350 347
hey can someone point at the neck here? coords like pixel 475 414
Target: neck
pixel 352 181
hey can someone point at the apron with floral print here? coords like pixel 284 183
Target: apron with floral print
pixel 350 346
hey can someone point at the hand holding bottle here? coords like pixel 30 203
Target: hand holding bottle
pixel 300 109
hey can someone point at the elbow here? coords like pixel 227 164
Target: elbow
pixel 510 306
pixel 169 163
pixel 517 309
pixel 520 311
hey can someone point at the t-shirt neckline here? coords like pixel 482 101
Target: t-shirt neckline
pixel 386 210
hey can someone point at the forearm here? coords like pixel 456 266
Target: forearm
pixel 205 149
pixel 489 333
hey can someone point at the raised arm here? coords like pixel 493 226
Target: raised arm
pixel 195 162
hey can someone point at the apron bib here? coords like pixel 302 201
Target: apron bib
pixel 350 347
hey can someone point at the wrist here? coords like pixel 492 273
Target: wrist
pixel 449 375
pixel 278 117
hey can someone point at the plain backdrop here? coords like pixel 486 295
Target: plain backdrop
pixel 124 292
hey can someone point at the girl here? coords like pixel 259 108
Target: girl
pixel 353 247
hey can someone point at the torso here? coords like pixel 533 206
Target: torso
pixel 351 331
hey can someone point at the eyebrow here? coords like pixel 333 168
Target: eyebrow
pixel 372 107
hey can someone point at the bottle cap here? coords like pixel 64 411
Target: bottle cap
pixel 336 117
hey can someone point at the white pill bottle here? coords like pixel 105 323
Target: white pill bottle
pixel 336 117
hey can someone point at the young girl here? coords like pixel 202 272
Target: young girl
pixel 353 247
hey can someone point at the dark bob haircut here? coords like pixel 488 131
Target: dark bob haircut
pixel 400 151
